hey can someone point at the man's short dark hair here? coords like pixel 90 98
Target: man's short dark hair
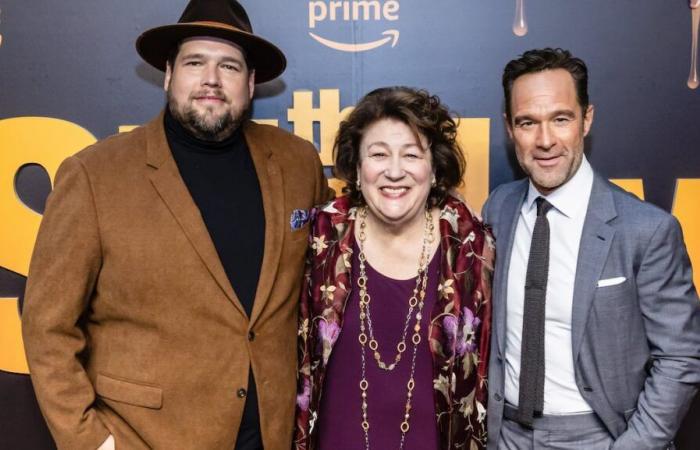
pixel 538 60
pixel 424 114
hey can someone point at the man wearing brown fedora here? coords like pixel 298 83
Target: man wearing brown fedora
pixel 160 309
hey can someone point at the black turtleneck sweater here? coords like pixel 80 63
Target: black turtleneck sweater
pixel 223 183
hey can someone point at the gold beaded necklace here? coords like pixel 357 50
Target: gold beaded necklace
pixel 416 301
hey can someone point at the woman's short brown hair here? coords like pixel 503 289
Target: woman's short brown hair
pixel 424 114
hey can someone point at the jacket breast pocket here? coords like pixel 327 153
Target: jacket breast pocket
pixel 129 392
pixel 615 296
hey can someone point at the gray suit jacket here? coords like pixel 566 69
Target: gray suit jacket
pixel 636 345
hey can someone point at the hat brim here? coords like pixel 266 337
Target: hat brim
pixel 154 46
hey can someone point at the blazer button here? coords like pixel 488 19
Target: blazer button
pixel 251 336
pixel 497 397
pixel 241 393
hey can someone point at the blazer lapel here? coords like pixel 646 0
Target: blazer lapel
pixel 508 219
pixel 167 181
pixel 272 190
pixel 596 240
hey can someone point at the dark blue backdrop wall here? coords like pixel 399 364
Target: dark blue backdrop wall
pixel 75 61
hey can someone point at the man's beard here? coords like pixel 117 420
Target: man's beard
pixel 204 128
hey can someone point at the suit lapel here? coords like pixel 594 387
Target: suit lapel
pixel 508 219
pixel 596 239
pixel 167 181
pixel 272 190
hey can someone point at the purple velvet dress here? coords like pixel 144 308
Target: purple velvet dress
pixel 340 411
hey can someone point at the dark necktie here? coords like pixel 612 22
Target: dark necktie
pixel 531 391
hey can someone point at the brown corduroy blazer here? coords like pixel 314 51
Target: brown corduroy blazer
pixel 130 323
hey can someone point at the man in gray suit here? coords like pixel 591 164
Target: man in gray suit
pixel 596 321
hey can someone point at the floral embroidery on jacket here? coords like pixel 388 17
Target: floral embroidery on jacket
pixel 459 331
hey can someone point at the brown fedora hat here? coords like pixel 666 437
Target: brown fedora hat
pixel 224 19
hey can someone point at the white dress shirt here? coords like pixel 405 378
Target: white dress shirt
pixel 570 203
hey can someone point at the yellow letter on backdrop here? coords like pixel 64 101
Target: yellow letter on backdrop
pixel 473 137
pixel 328 115
pixel 26 140
pixel 12 357
pixel 632 185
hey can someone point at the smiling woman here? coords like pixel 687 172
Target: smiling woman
pixel 387 305
pixel 395 173
pixel 430 124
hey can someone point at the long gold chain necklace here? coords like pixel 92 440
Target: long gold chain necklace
pixel 416 301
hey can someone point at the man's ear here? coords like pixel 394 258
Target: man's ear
pixel 509 128
pixel 168 75
pixel 588 119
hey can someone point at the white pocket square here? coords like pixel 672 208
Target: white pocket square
pixel 611 281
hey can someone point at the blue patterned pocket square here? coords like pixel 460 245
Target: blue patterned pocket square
pixel 298 219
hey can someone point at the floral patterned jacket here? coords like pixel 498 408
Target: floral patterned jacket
pixel 459 328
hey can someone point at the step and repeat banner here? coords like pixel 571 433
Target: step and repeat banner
pixel 69 75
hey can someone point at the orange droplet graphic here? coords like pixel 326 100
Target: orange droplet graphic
pixel 519 23
pixel 693 81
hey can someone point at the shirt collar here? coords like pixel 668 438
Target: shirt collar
pixel 569 198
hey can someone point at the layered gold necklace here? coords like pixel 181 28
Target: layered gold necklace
pixel 366 337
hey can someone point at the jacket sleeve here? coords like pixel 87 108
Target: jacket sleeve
pixel 671 311
pixel 65 264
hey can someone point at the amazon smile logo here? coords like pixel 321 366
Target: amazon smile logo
pixel 354 11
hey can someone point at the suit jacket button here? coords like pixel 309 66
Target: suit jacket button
pixel 251 336
pixel 497 397
pixel 241 393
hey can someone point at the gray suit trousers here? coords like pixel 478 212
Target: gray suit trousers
pixel 570 432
